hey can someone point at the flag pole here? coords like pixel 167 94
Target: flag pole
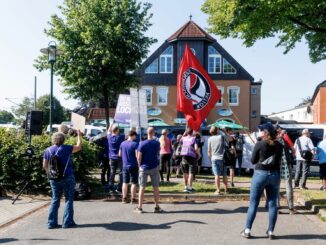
pixel 238 121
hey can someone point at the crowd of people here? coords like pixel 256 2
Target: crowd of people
pixel 135 160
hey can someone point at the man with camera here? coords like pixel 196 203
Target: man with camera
pixel 304 149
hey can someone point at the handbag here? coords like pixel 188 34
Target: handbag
pixel 268 161
pixel 306 154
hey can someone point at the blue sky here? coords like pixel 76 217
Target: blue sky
pixel 286 78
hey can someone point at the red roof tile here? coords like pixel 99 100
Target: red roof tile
pixel 190 30
pixel 99 113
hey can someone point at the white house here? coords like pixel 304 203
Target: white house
pixel 301 114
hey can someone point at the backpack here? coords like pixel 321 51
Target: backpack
pixel 82 191
pixel 56 170
pixel 239 144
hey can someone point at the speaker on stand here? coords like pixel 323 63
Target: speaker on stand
pixel 33 126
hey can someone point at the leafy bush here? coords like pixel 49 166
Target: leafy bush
pixel 15 168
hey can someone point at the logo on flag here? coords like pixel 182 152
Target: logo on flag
pixel 197 93
pixel 196 88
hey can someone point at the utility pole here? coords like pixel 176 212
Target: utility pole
pixel 35 82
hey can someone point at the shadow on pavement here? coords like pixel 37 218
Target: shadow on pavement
pixel 215 211
pixel 130 226
pixel 302 237
pixel 7 240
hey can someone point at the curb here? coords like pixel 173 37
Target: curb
pixel 27 213
pixel 316 209
pixel 170 198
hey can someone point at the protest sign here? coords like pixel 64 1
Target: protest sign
pixel 78 122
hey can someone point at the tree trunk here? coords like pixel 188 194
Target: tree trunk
pixel 106 105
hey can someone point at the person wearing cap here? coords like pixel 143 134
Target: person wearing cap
pixel 286 165
pixel 266 157
pixel 303 144
pixel 321 155
pixel 114 142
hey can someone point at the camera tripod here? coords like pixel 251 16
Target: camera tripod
pixel 29 155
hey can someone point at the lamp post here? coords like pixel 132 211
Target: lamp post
pixel 52 53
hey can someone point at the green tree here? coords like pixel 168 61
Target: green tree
pixel 58 112
pixel 6 116
pixel 103 42
pixel 291 20
pixel 26 105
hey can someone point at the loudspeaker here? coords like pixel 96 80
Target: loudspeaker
pixel 34 121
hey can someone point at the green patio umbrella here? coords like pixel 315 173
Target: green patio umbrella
pixel 227 124
pixel 157 123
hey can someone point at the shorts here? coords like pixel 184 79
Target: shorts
pixel 189 165
pixel 154 173
pixel 130 173
pixel 218 168
pixel 322 171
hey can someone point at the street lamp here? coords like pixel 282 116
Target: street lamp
pixel 52 51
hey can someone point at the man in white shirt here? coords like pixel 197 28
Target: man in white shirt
pixel 301 145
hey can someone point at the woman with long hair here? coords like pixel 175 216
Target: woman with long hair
pixel 266 156
pixel 190 153
pixel 165 154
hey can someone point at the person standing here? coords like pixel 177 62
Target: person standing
pixel 200 143
pixel 216 148
pixel 286 166
pixel 231 141
pixel 114 142
pixel 239 150
pixel 64 185
pixel 190 154
pixel 321 154
pixel 165 155
pixel 177 146
pixel 266 156
pixel 149 166
pixel 304 149
pixel 127 151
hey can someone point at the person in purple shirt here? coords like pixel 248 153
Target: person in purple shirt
pixel 148 163
pixel 127 151
pixel 114 142
pixel 65 185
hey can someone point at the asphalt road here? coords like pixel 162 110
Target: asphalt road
pixel 188 223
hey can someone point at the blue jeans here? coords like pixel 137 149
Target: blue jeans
pixel 58 187
pixel 270 181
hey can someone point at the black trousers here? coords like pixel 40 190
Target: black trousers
pixel 165 165
pixel 105 173
pixel 115 165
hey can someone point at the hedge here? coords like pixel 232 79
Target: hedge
pixel 15 168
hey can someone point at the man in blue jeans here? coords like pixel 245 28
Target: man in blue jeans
pixel 65 185
pixel 216 148
pixel 114 142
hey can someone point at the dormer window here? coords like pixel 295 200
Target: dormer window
pixel 228 68
pixel 152 68
pixel 166 60
pixel 214 61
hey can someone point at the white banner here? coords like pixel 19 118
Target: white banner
pixel 138 117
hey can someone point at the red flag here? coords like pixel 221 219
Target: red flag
pixel 197 94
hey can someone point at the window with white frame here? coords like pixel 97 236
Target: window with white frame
pixel 162 95
pixel 228 68
pixel 220 102
pixel 153 67
pixel 166 60
pixel 233 95
pixel 149 94
pixel 214 61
